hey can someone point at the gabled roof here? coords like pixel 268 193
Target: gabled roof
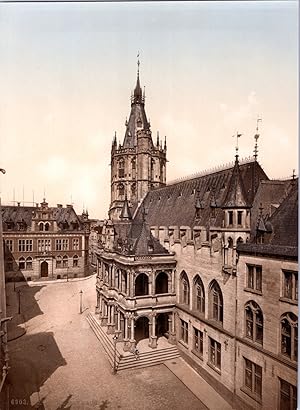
pixel 26 213
pixel 174 205
pixel 236 195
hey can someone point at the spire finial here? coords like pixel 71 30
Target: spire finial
pixel 138 63
pixel 256 136
pixel 237 144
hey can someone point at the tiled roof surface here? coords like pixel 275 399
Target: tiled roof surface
pixel 175 204
pixel 25 213
pixel 270 194
pixel 135 238
pixel 268 250
pixel 284 221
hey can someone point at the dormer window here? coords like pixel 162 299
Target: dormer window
pixel 41 226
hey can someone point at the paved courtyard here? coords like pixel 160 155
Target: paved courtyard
pixel 60 364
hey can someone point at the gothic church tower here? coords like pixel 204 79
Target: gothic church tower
pixel 138 165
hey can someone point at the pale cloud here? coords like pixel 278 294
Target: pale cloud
pixel 54 169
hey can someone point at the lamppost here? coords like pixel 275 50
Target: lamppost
pixel 19 300
pixel 81 301
pixel 115 338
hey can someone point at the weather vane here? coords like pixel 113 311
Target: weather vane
pixel 237 142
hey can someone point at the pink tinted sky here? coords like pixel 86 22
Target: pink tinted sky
pixel 67 71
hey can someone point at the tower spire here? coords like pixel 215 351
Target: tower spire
pixel 138 94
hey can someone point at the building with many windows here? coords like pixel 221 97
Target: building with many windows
pixel 210 263
pixel 45 242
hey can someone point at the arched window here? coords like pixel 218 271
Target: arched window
pixel 46 226
pixel 117 278
pixel 21 263
pixel 199 295
pixel 289 336
pixel 75 261
pixel 65 261
pixel 239 240
pixel 161 283
pixel 141 285
pixel 133 190
pixel 121 191
pixel 58 261
pixel 230 243
pixel 121 168
pixel 216 302
pixel 254 322
pixel 29 262
pixel 41 226
pixel 184 289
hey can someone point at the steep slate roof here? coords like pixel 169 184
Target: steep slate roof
pixel 17 213
pixel 174 204
pixel 135 238
pixel 137 113
pixel 284 221
pixel 269 196
pixel 283 240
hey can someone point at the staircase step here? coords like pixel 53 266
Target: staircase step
pixel 146 359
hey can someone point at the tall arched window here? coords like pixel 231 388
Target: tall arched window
pixel 216 302
pixel 152 169
pixel 121 168
pixel 58 261
pixel 121 191
pixel 254 322
pixel 75 261
pixel 41 226
pixel 65 261
pixel 29 262
pixel 184 289
pixel 199 295
pixel 46 226
pixel 141 285
pixel 289 335
pixel 21 263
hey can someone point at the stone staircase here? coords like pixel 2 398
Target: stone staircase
pixel 127 360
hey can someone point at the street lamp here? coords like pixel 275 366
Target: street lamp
pixel 19 300
pixel 115 338
pixel 81 301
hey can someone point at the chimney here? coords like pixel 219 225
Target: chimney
pixel 59 206
pixel 69 206
pixel 18 203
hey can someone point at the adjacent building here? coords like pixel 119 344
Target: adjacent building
pixel 43 242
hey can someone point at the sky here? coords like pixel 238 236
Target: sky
pixel 209 70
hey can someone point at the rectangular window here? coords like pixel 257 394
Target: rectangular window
pixel 28 245
pixel 76 244
pixel 239 217
pixel 215 353
pixel 184 336
pixel 288 396
pixel 9 244
pixel 254 277
pixel 21 245
pixel 198 341
pixel 290 285
pixel 230 217
pixel 253 377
